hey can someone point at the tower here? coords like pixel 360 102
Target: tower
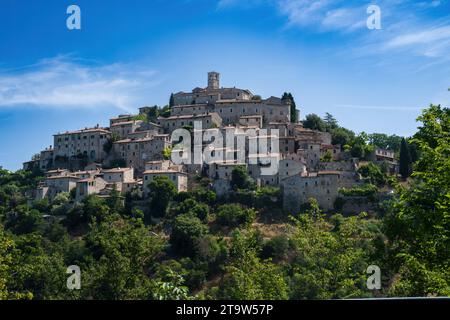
pixel 213 80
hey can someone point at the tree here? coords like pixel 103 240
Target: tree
pixel 123 251
pixel 314 122
pixel 6 244
pixel 167 153
pixel 373 174
pixel 24 220
pixel 171 101
pixel 115 202
pixel 327 157
pixel 384 141
pixel 240 179
pixel 405 160
pixel 418 223
pixel 342 136
pixel 248 278
pixel 173 289
pixel 288 97
pixel 329 258
pixel 162 191
pixel 234 215
pixel 187 230
pixel 107 147
pixel 199 210
pixel 330 122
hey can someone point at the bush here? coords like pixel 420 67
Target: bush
pixel 368 190
pixel 234 215
pixel 240 179
pixel 276 248
pixel 373 174
pixel 186 231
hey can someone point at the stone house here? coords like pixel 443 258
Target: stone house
pixel 136 152
pixel 54 185
pixel 118 175
pixel 46 159
pixel 89 186
pixel 124 129
pixel 121 118
pixel 211 93
pixel 87 143
pixel 178 177
pixel 322 186
pixel 208 120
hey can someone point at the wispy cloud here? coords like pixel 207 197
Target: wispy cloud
pixel 365 107
pixel 431 42
pixel 324 15
pixel 65 82
pixel 407 24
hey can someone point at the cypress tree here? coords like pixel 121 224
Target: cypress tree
pixel 289 97
pixel 171 101
pixel 405 160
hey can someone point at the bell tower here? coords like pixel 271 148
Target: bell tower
pixel 213 80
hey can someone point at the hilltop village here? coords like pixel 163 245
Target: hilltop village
pixel 134 149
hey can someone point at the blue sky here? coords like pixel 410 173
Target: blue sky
pixel 134 53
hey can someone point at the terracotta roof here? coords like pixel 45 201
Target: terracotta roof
pixel 126 122
pixel 164 171
pixel 330 172
pixel 187 116
pixel 88 130
pixel 62 177
pixel 116 170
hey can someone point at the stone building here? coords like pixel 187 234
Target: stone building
pixel 383 155
pixel 124 129
pixel 231 104
pixel 56 184
pixel 121 118
pixel 86 143
pixel 118 175
pixel 208 120
pixel 46 159
pixel 136 152
pixel 322 186
pixel 89 186
pixel 211 93
pixel 178 177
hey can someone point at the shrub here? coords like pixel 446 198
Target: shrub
pixel 186 231
pixel 234 215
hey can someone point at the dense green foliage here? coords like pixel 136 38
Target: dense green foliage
pixel 405 160
pixel 360 146
pixel 193 245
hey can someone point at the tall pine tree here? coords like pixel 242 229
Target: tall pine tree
pixel 171 101
pixel 405 160
pixel 289 97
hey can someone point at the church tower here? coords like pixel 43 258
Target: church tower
pixel 213 80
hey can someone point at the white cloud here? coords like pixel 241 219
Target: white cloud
pixel 388 108
pixel 418 38
pixel 407 24
pixel 63 82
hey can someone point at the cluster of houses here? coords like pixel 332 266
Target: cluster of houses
pixel 131 152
